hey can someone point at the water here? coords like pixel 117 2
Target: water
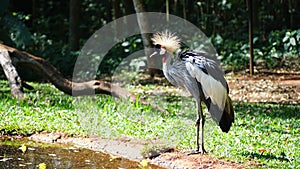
pixel 57 156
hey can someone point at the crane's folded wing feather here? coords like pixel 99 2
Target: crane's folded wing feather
pixel 206 63
pixel 208 74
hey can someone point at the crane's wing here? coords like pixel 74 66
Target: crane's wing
pixel 203 61
pixel 208 73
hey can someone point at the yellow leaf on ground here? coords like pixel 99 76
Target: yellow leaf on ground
pixel 42 166
pixel 114 157
pixel 144 164
pixel 23 148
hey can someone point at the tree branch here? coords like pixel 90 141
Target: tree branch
pixel 11 74
pixel 10 57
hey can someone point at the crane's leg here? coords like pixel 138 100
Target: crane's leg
pixel 197 134
pixel 202 121
pixel 200 126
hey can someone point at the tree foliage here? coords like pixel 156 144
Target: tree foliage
pixel 42 27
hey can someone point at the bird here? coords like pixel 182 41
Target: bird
pixel 198 73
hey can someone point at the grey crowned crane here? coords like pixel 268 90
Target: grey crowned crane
pixel 197 73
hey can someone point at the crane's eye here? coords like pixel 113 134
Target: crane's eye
pixel 157 46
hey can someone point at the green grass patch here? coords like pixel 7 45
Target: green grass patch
pixel 268 134
pixel 44 109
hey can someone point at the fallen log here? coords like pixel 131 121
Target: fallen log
pixel 10 57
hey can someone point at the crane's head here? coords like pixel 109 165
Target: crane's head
pixel 165 42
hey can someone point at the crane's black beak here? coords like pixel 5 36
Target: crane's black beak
pixel 154 53
pixel 158 50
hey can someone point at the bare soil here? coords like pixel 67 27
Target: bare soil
pixel 132 149
pixel 278 87
pixel 196 161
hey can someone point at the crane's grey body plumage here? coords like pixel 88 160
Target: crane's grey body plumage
pixel 178 75
pixel 182 79
pixel 196 72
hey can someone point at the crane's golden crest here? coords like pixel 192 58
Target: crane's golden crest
pixel 167 39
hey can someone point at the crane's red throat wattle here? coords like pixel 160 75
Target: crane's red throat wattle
pixel 164 58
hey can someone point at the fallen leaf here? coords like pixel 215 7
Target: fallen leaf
pixel 144 164
pixel 113 157
pixel 262 150
pixel 42 166
pixel 23 148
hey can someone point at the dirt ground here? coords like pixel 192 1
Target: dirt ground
pixel 280 87
pixel 276 87
pixel 132 149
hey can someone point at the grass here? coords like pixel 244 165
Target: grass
pixel 264 133
pixel 45 109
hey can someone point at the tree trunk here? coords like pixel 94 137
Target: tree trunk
pixel 144 27
pixel 255 14
pixel 116 10
pixel 175 7
pixel 128 6
pixel 116 13
pixel 167 10
pixel 74 25
pixel 11 74
pixel 11 57
pixel 250 12
pixel 184 9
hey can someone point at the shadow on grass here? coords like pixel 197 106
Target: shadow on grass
pixel 273 110
pixel 243 109
pixel 182 106
pixel 265 156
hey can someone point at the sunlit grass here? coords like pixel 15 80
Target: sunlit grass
pixel 44 109
pixel 263 133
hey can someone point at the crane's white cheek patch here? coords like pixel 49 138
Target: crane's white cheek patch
pixel 212 88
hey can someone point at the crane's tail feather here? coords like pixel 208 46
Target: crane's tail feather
pixel 227 117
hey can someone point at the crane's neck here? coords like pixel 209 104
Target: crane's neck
pixel 166 63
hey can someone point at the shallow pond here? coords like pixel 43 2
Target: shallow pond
pixel 56 156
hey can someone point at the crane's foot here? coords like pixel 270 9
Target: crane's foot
pixel 203 151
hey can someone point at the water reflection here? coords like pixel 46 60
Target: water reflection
pixel 12 157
